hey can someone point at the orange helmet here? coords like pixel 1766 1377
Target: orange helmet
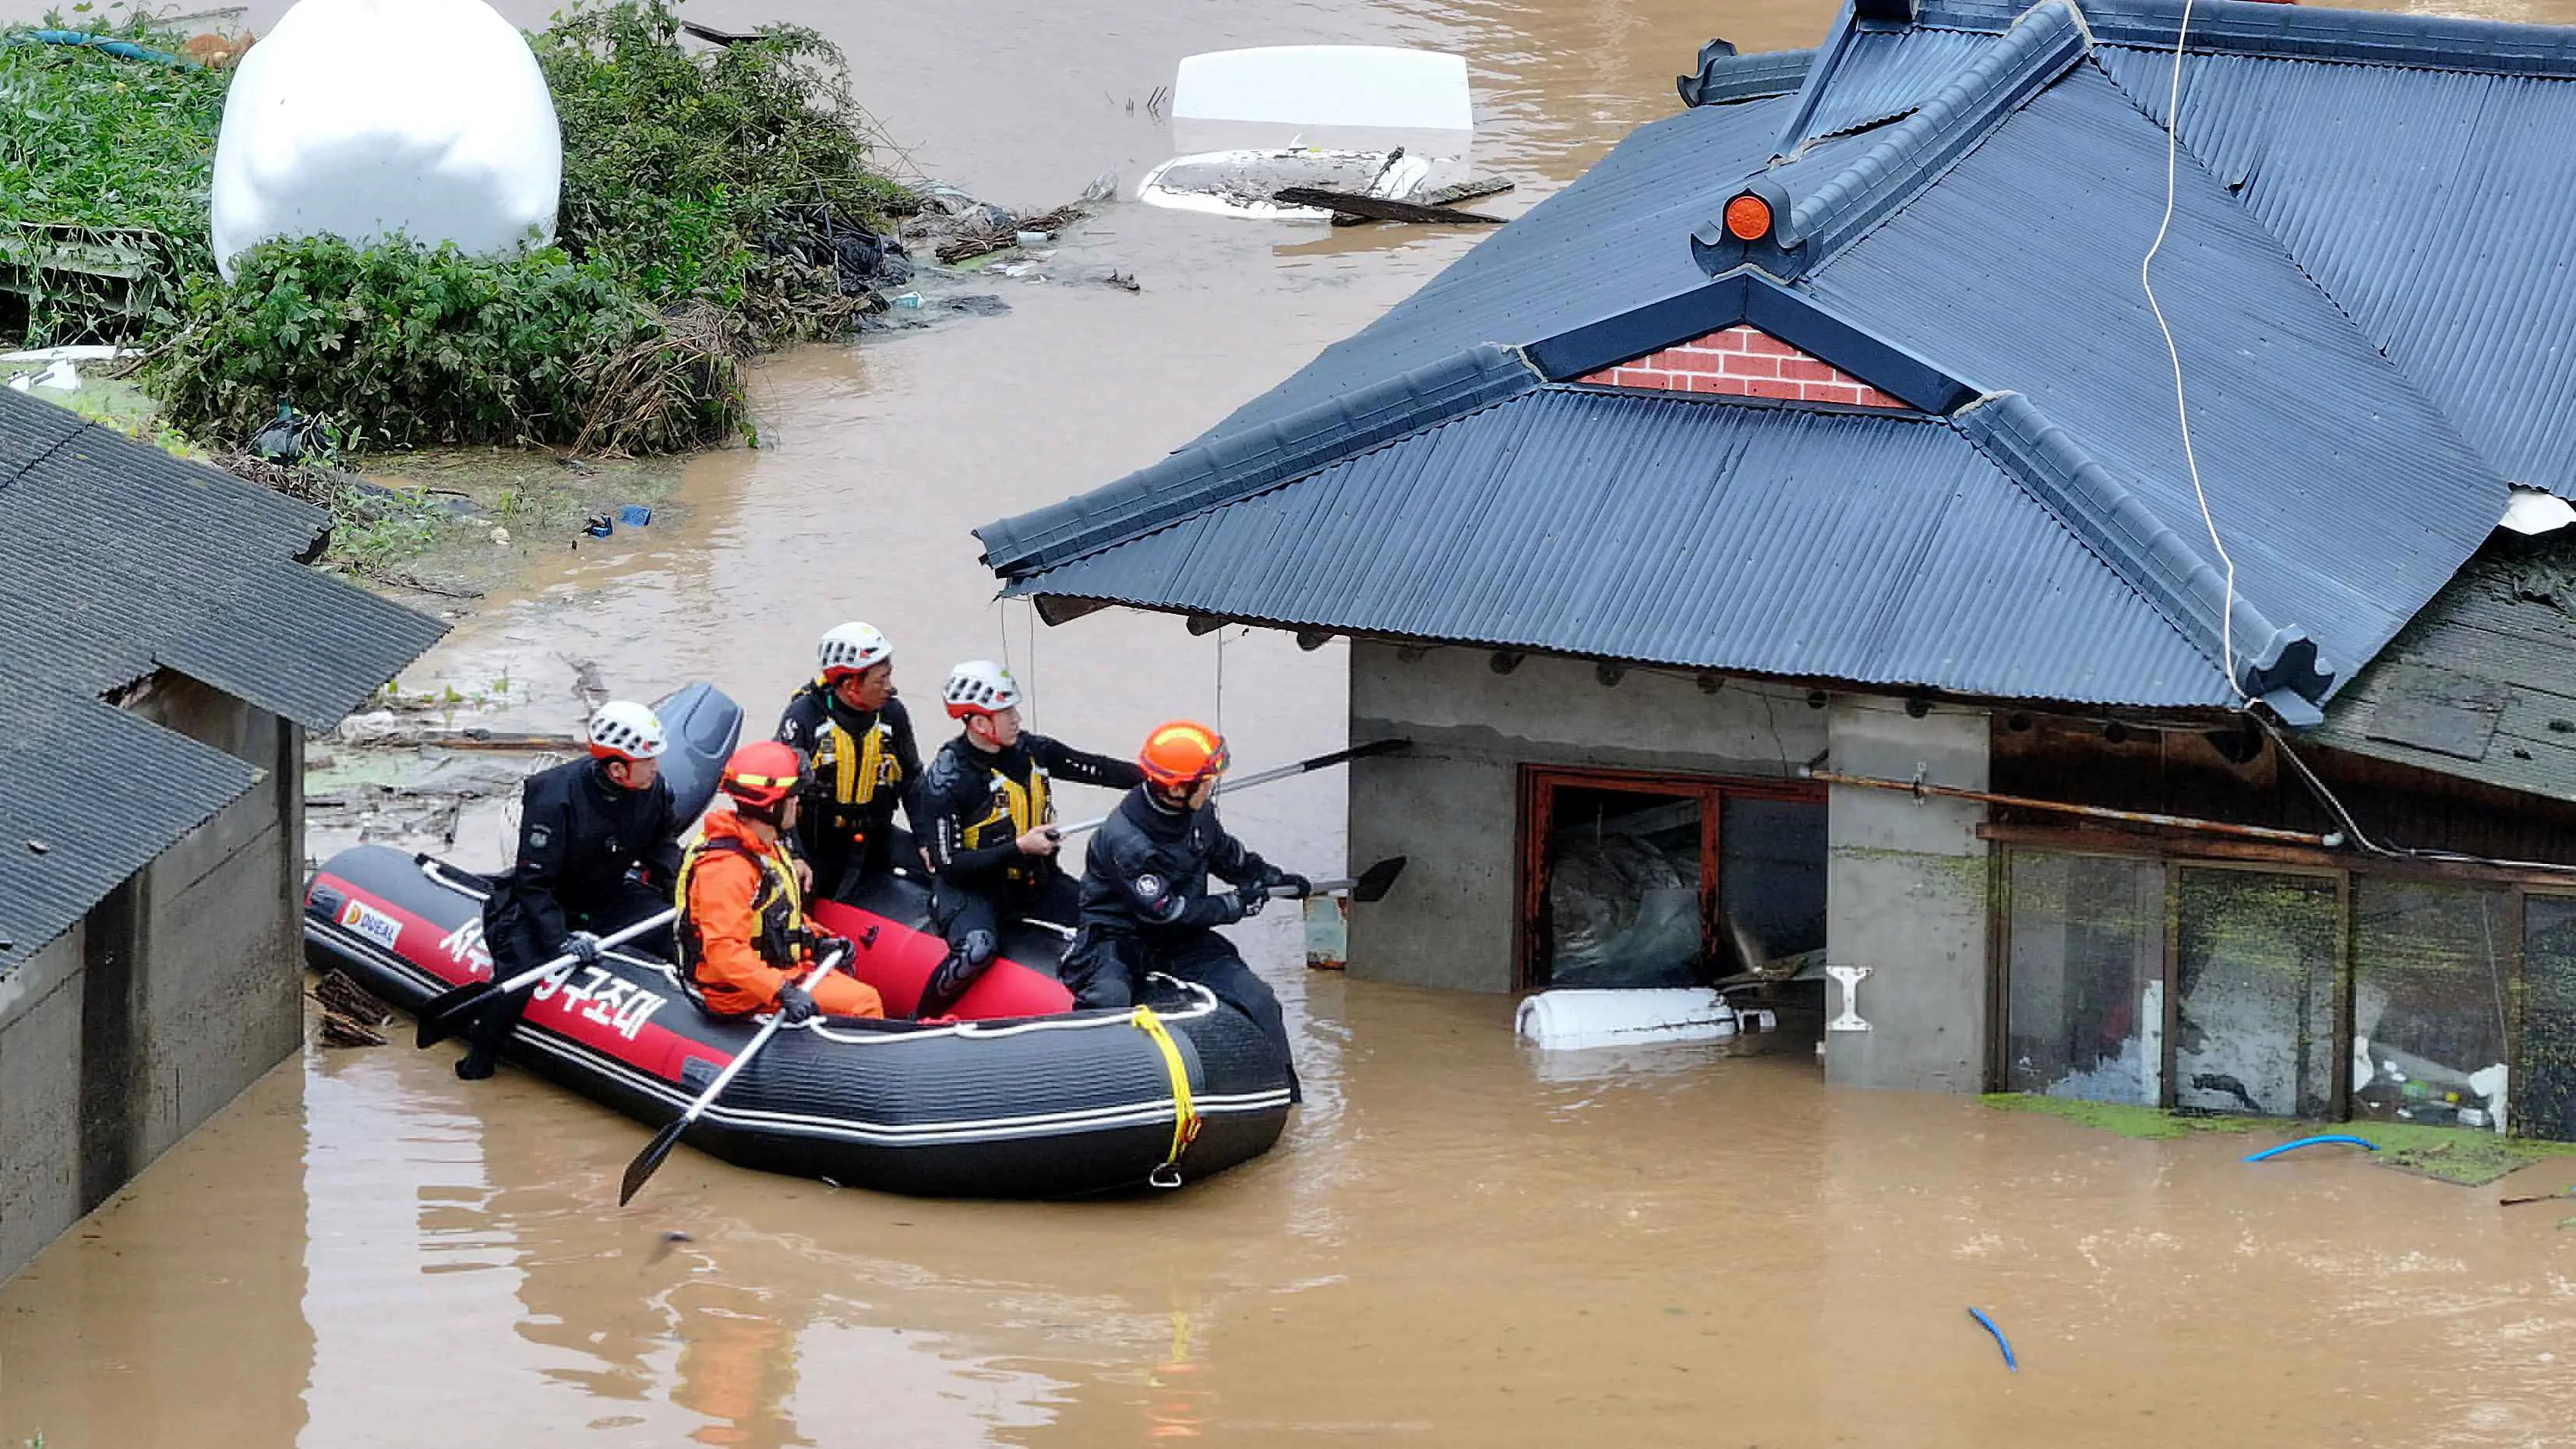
pixel 1179 755
pixel 762 775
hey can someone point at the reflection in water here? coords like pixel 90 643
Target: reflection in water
pixel 1456 1241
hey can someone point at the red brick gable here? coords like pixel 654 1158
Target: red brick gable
pixel 1743 361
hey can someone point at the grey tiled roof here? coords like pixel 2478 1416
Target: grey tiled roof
pixel 116 560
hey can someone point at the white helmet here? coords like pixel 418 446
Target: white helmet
pixel 853 648
pixel 625 730
pixel 980 686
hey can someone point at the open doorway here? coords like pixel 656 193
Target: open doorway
pixel 1631 879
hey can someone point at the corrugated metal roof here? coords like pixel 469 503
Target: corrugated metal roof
pixel 2485 663
pixel 1705 534
pixel 1247 460
pixel 1903 160
pixel 2001 252
pixel 1884 74
pixel 115 560
pixel 2300 32
pixel 102 792
pixel 2428 206
pixel 1617 238
pixel 2344 496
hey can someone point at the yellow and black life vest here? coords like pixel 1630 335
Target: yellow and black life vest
pixel 779 907
pixel 1016 810
pixel 858 768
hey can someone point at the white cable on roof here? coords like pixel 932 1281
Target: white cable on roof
pixel 2182 407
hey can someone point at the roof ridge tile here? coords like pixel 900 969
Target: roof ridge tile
pixel 2275 662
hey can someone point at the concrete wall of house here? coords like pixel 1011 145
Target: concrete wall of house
pixel 40 1100
pixel 177 991
pixel 1451 803
pixel 1907 897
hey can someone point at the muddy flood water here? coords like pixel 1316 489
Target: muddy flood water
pixel 1456 1243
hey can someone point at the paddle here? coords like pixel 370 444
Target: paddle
pixel 1264 777
pixel 1369 885
pixel 456 1003
pixel 649 1161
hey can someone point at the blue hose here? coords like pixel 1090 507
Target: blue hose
pixel 122 49
pixel 2313 1142
pixel 2001 1342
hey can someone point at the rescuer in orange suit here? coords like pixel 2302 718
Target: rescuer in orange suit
pixel 743 935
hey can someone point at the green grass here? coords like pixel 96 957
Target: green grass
pixel 2451 1154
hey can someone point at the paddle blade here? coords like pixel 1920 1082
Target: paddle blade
pixel 1378 879
pixel 449 1008
pixel 649 1161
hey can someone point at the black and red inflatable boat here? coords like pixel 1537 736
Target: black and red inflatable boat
pixel 1019 1097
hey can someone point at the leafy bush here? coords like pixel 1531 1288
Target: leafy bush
pixel 400 345
pixel 107 160
pixel 719 175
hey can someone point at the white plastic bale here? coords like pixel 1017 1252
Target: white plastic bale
pixel 366 118
pixel 1575 1020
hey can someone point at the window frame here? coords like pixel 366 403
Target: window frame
pixel 2002 840
pixel 1538 787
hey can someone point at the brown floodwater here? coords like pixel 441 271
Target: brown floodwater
pixel 1457 1242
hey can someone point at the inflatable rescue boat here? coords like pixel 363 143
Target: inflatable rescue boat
pixel 1018 1096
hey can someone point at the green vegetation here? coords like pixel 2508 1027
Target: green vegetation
pixel 402 346
pixel 729 177
pixel 104 172
pixel 2453 1154
pixel 716 203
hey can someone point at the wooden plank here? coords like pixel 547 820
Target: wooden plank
pixel 1378 208
pixel 1468 190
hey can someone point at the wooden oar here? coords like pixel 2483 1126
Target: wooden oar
pixel 456 1003
pixel 649 1161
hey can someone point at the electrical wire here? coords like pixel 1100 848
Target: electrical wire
pixel 2182 405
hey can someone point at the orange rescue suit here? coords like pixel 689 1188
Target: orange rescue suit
pixel 742 926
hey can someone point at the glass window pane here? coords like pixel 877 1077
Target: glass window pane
pixel 2545 1094
pixel 2254 970
pixel 1623 889
pixel 1771 875
pixel 2432 986
pixel 2084 1015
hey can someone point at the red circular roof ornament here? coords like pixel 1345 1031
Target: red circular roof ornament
pixel 1748 218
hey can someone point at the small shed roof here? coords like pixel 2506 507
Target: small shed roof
pixel 118 560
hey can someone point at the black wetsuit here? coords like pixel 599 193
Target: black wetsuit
pixel 581 838
pixel 1146 906
pixel 847 841
pixel 977 803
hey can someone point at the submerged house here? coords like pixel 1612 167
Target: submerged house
pixel 163 651
pixel 1782 542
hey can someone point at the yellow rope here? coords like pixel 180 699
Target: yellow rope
pixel 1185 1115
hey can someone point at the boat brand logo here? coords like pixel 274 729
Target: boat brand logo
pixel 464 945
pixel 603 997
pixel 371 923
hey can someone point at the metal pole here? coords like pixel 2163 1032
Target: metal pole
pixel 2329 841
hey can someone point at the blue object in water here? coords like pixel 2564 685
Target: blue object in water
pixel 2001 1342
pixel 599 526
pixel 2362 1142
pixel 635 515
